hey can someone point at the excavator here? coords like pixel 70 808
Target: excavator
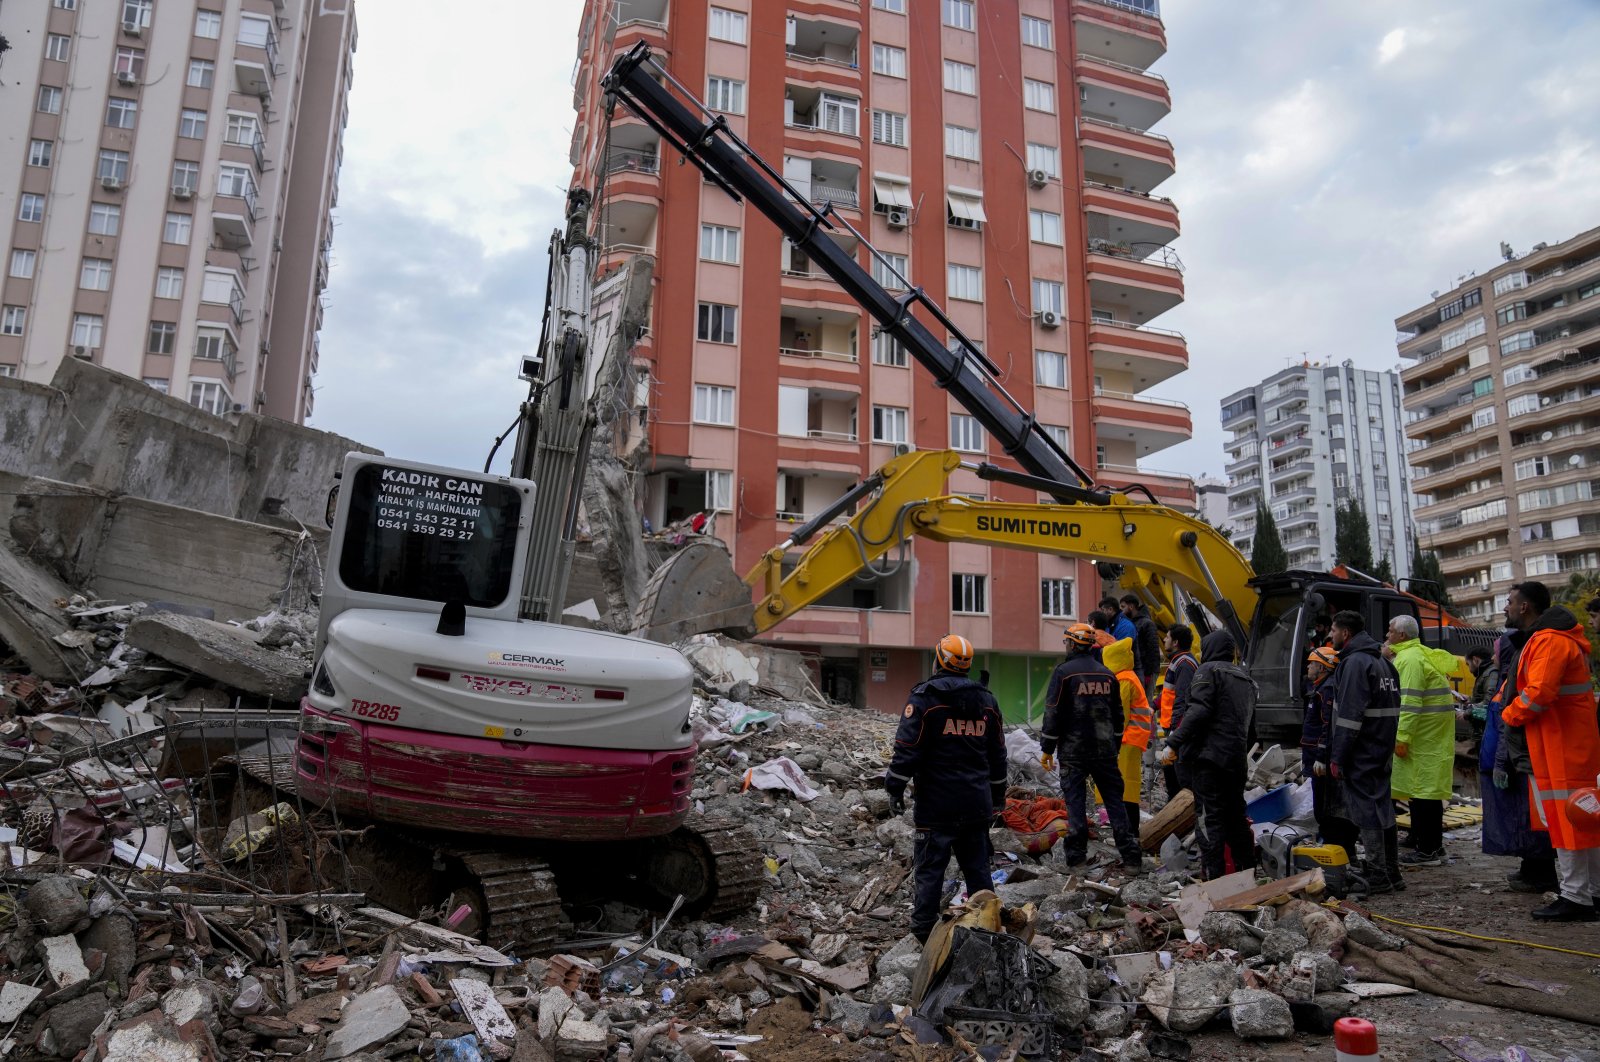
pixel 1183 568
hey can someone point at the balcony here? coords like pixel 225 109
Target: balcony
pixel 1170 488
pixel 251 78
pixel 628 226
pixel 813 40
pixel 818 426
pixel 1133 283
pixel 1151 424
pixel 1559 406
pixel 1150 354
pixel 1118 216
pixel 820 335
pixel 1442 474
pixel 1124 31
pixel 810 109
pixel 233 216
pixel 1300 517
pixel 1289 445
pixel 1121 93
pixel 637 19
pixel 804 492
pixel 1122 155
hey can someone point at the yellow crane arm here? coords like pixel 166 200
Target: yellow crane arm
pixel 1160 547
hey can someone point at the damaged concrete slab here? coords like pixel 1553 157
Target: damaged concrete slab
pixel 233 656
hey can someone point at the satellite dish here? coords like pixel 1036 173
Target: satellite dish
pixel 1547 436
pixel 1575 460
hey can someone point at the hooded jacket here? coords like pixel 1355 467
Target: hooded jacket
pixel 1082 711
pixel 1427 722
pixel 1222 699
pixel 1556 709
pixel 1138 719
pixel 1175 689
pixel 1366 714
pixel 951 743
pixel 1146 645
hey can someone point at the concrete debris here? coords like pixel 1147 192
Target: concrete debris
pixel 371 1019
pixel 63 961
pixel 1363 930
pixel 1260 1015
pixel 1190 994
pixel 232 656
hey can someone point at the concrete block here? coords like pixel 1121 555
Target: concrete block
pixel 57 904
pixel 29 618
pixel 1260 1015
pixel 225 654
pixel 16 997
pixel 488 1017
pixel 63 960
pixel 372 1018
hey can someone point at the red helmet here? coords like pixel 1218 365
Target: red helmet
pixel 1583 807
pixel 953 653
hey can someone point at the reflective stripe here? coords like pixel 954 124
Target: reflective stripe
pixel 1530 703
pixel 1382 713
pixel 1538 803
pixel 1576 687
pixel 1349 724
pixel 1554 794
pixel 1428 708
pixel 899 777
pixel 1437 691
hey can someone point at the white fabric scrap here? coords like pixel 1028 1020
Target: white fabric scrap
pixel 782 773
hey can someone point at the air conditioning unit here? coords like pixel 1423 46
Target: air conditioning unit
pixel 182 191
pixel 133 29
pixel 898 219
pixel 1038 178
pixel 82 352
pixel 125 77
pixel 901 449
pixel 1049 319
pixel 111 184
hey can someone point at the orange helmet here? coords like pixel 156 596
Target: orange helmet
pixel 953 653
pixel 1324 655
pixel 1079 634
pixel 1583 807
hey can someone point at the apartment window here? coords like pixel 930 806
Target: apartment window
pixel 192 124
pixel 57 47
pixel 1519 374
pixel 889 128
pixel 22 263
pixel 888 60
pixel 95 275
pixel 889 424
pixel 121 114
pixel 1058 435
pixel 896 6
pixel 719 490
pixel 712 404
pixel 202 73
pixel 210 396
pixel 67 5
pixel 725 94
pixel 718 243
pixel 13 320
pixel 728 25
pixel 113 166
pixel 1517 341
pixel 960 77
pixel 130 61
pixel 213 344
pixel 208 24
pixel 169 283
pixel 234 180
pixel 1044 227
pixel 88 329
pixel 1035 31
pixel 886 350
pixel 1038 95
pixel 105 219
pixel 186 174
pixel 966 282
pixel 1484 417
pixel 163 337
pixel 1055 595
pixel 890 192
pixel 1046 158
pixel 31 207
pixel 1050 368
pixel 218 287
pixel 961 142
pixel 964 208
pixel 1048 295
pixel 49 99
pixel 892 270
pixel 840 114
pixel 177 228
pixel 40 152
pixel 136 14
pixel 966 433
pixel 243 129
pixel 969 593
pixel 958 13
pixel 1510 282
pixel 158 384
pixel 1517 406
pixel 255 31
pixel 717 322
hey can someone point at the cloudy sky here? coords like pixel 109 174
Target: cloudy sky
pixel 1336 163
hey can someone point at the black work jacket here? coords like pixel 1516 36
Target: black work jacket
pixel 1222 699
pixel 951 743
pixel 1082 711
pixel 1366 716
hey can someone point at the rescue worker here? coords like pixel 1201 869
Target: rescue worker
pixel 1083 718
pixel 1102 629
pixel 1555 706
pixel 1121 626
pixel 1366 714
pixel 1181 666
pixel 1485 675
pixel 1138 725
pixel 1425 740
pixel 1146 642
pixel 1315 738
pixel 951 744
pixel 1212 742
pixel 1505 771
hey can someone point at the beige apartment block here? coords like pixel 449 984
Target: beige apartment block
pixel 167 172
pixel 1501 402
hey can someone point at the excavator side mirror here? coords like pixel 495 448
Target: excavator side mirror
pixel 452 620
pixel 1315 601
pixel 333 505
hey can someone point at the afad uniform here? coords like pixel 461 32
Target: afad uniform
pixel 1083 718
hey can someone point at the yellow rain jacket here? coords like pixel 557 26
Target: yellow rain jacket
pixel 1137 716
pixel 1427 722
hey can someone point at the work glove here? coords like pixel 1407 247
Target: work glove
pixel 1502 778
pixel 1334 772
pixel 1168 757
pixel 897 795
pixel 1319 769
pixel 1478 713
pixel 1402 749
pixel 1047 761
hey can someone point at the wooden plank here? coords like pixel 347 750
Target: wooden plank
pixel 1177 817
pixel 1310 880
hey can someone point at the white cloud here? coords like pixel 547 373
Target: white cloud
pixel 1298 134
pixel 1393 43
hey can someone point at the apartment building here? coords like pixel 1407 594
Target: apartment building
pixel 1308 439
pixel 1001 156
pixel 166 189
pixel 1500 398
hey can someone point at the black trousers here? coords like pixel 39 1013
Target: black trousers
pixel 1075 779
pixel 1335 829
pixel 1383 853
pixel 1223 824
pixel 969 843
pixel 1427 825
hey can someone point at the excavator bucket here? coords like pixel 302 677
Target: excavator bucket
pixel 696 591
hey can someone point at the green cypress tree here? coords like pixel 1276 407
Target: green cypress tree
pixel 1352 536
pixel 1267 554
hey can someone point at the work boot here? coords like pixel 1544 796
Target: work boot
pixel 1565 910
pixel 1420 858
pixel 1380 881
pixel 1517 883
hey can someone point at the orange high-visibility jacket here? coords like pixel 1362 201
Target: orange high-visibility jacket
pixel 1137 716
pixel 1556 708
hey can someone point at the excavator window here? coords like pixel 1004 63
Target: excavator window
pixel 1275 655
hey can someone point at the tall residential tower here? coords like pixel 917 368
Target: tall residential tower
pixel 167 169
pixel 1001 156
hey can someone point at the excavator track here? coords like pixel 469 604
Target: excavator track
pixel 519 894
pixel 739 866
